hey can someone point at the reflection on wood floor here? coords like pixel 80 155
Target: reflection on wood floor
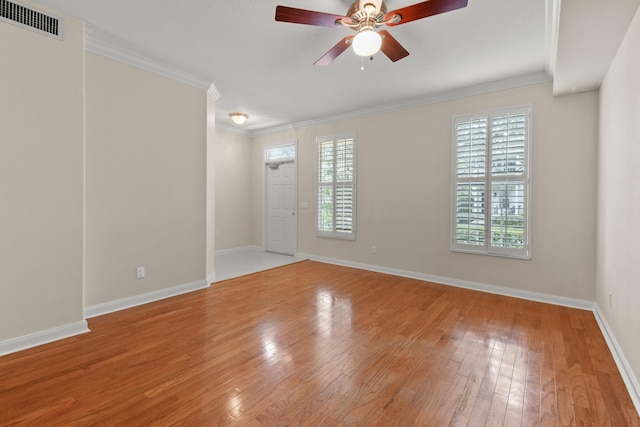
pixel 318 344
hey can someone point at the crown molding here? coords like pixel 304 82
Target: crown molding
pixel 232 128
pixel 495 86
pixel 99 42
pixel 213 92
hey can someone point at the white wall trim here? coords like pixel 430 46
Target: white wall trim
pixel 624 367
pixel 212 91
pixel 630 380
pixel 476 286
pixel 212 278
pixel 495 86
pixel 43 337
pixel 239 249
pixel 102 43
pixel 552 24
pixel 231 128
pixel 121 304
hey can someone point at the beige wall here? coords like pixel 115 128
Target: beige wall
pixel 211 188
pixel 145 181
pixel 41 155
pixel 619 198
pixel 234 208
pixel 404 186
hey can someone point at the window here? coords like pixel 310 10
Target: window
pixel 336 187
pixel 491 183
pixel 283 152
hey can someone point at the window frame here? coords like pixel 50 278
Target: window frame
pixel 269 159
pixel 336 234
pixel 488 180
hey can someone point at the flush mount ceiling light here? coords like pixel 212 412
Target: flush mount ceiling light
pixel 238 118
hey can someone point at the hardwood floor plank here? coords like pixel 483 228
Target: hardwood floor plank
pixel 515 404
pixel 317 344
pixel 533 388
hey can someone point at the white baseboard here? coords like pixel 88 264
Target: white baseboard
pixel 121 304
pixel 631 382
pixel 211 278
pixel 239 249
pixel 624 367
pixel 476 286
pixel 43 337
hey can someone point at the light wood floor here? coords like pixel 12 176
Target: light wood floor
pixel 316 344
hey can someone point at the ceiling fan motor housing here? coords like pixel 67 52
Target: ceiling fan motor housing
pixel 365 17
pixel 357 13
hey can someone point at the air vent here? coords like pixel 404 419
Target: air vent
pixel 31 19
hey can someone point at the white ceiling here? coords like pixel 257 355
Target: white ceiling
pixel 265 68
pixel 590 34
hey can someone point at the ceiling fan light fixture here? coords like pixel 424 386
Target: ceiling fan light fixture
pixel 366 43
pixel 238 118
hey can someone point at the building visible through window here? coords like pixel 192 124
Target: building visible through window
pixel 336 187
pixel 491 183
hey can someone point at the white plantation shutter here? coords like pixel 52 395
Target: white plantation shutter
pixel 344 208
pixel 508 202
pixel 471 145
pixel 336 187
pixel 470 214
pixel 491 183
pixel 325 186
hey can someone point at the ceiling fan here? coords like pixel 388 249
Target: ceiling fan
pixel 365 17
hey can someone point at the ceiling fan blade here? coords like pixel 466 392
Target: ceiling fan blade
pixel 391 47
pixel 333 53
pixel 424 10
pixel 308 17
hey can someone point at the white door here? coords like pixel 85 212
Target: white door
pixel 281 208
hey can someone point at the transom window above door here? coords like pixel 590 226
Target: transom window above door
pixel 279 153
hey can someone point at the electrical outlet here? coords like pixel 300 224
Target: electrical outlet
pixel 610 299
pixel 373 250
pixel 139 272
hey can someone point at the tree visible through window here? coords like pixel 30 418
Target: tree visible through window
pixel 336 187
pixel 491 182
